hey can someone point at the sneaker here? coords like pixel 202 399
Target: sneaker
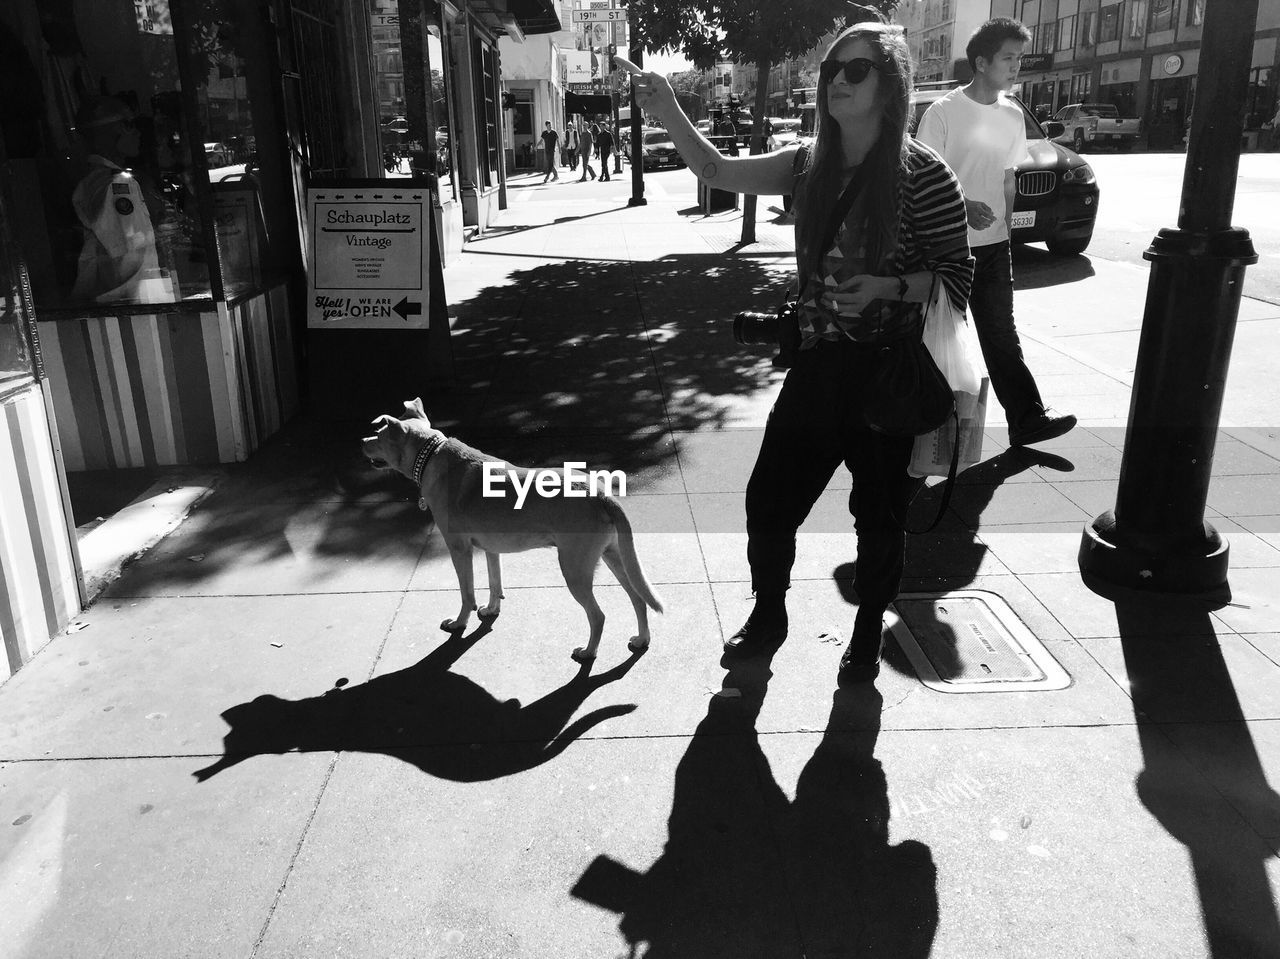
pixel 1045 427
pixel 762 630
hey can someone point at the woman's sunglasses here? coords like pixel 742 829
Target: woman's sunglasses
pixel 855 70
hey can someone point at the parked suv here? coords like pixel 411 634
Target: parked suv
pixel 1057 200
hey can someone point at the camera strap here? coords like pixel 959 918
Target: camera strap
pixel 848 196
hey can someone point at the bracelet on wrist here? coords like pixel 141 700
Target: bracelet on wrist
pixel 902 286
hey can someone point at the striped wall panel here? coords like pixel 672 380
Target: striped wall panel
pixel 171 389
pixel 39 577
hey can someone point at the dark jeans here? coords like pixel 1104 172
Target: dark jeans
pixel 991 301
pixel 604 164
pixel 815 425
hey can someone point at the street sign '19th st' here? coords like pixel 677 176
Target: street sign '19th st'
pixel 599 16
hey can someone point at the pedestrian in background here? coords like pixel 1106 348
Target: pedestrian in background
pixel 549 140
pixel 604 142
pixel 904 232
pixel 981 135
pixel 586 143
pixel 571 146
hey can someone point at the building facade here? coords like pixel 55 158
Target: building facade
pixel 1141 55
pixel 534 75
pixel 155 157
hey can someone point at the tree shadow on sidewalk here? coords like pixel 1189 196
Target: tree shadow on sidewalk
pixel 747 873
pixel 599 362
pixel 405 713
pixel 1188 712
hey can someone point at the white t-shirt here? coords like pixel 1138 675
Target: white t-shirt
pixel 979 142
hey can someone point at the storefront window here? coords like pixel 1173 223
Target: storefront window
pixel 487 109
pixel 99 156
pixel 17 359
pixel 442 79
pixel 228 138
pixel 137 189
pixel 1260 99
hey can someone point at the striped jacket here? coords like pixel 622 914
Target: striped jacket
pixel 932 235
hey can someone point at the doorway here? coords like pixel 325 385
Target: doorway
pixel 1167 113
pixel 523 138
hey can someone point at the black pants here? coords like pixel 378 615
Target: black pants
pixel 604 163
pixel 815 425
pixel 991 301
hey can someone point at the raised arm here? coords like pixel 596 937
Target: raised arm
pixel 765 173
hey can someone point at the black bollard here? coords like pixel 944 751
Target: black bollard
pixel 1156 539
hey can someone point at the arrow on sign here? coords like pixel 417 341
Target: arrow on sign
pixel 406 309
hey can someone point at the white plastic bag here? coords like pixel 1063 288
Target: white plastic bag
pixel 954 347
pixel 952 342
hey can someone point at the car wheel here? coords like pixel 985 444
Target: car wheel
pixel 1068 247
pixel 1077 141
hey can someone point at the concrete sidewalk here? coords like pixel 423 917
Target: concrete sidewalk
pixel 258 742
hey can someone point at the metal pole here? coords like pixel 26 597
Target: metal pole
pixel 636 56
pixel 615 96
pixel 1156 538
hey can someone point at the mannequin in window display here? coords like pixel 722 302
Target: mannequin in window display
pixel 119 262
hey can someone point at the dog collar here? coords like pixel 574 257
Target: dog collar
pixel 420 461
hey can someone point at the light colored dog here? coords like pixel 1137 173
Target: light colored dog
pixel 451 478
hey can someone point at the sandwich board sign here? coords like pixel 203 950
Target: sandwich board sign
pixel 370 255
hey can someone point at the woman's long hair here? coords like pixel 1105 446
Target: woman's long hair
pixel 886 164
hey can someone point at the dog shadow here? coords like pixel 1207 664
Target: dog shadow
pixel 426 715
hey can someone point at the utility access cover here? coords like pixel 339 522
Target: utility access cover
pixel 970 641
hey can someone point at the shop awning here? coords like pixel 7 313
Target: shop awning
pixel 587 103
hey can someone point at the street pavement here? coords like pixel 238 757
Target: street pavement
pixel 258 742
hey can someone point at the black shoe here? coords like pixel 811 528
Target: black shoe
pixel 765 628
pixel 861 660
pixel 1045 427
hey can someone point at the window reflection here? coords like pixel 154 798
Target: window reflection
pixel 99 166
pixel 228 141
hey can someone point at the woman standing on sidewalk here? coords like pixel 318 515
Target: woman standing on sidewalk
pixel 906 230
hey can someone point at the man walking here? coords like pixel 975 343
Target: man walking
pixel 585 145
pixel 604 143
pixel 980 133
pixel 549 140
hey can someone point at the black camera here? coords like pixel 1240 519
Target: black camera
pixel 780 329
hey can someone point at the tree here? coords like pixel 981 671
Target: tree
pixel 688 81
pixel 762 32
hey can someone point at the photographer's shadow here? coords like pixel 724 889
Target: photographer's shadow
pixel 408 712
pixel 745 872
pixel 951 556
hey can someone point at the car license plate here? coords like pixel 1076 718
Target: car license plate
pixel 1024 219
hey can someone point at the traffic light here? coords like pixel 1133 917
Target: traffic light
pixel 613 52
